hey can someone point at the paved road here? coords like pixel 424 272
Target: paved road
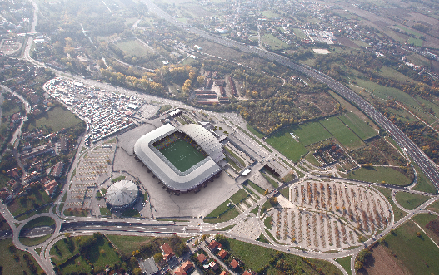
pixel 420 158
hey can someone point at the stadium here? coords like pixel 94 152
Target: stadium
pixel 122 194
pixel 183 158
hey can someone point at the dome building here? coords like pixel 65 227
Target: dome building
pixel 122 194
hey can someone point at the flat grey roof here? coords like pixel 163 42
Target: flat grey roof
pixel 165 171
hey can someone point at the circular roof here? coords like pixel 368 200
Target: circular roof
pixel 121 193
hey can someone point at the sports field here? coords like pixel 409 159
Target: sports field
pixel 343 134
pixel 182 155
pixel 358 126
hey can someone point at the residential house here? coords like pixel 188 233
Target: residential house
pixel 201 258
pixel 167 252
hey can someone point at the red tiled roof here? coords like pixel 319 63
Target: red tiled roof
pixel 167 251
pixel 222 253
pixel 247 273
pixel 214 244
pixel 179 271
pixel 187 265
pixel 201 258
pixel 224 273
pixel 234 264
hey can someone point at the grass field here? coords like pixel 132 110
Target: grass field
pixel 273 42
pixel 34 241
pixel 423 220
pixel 133 48
pixel 55 119
pixel 410 201
pixel 256 187
pixel 127 244
pixel 379 174
pixel 239 196
pixel 346 263
pixel 307 134
pixel 418 254
pixel 255 257
pixel 100 254
pixel 311 158
pixel 358 126
pixel 38 222
pixel 385 92
pixel 182 155
pixel 343 134
pixel 423 183
pixel 29 202
pixel 434 206
pixel 9 264
pixel 222 213
pixel 254 131
pixel 398 214
pixel 270 14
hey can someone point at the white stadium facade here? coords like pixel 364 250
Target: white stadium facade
pixel 174 179
pixel 122 194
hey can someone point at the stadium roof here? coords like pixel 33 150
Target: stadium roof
pixel 166 171
pixel 121 193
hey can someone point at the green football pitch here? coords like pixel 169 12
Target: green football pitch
pixel 182 155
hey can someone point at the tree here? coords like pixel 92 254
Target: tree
pixel 358 265
pixel 157 257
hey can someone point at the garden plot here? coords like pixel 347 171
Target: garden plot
pixel 327 216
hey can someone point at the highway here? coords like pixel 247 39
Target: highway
pixel 429 168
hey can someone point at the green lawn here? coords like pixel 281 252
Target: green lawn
pixel 105 211
pixel 255 257
pixel 307 134
pixel 285 192
pixel 55 119
pixel 358 126
pixel 423 220
pixel 127 244
pixel 434 206
pixel 299 33
pixel 35 198
pixel 270 180
pixel 239 196
pixel 9 264
pixel 410 201
pixel 311 158
pixel 133 48
pixel 379 174
pixel 34 241
pixel 273 42
pixel 418 254
pixel 385 92
pixel 38 222
pixel 100 254
pixel 423 183
pixel 182 154
pixel 270 14
pixel 254 131
pixel 256 187
pixel 268 222
pixel 398 214
pixel 222 213
pixel 346 263
pixel 343 134
pixel 113 180
pixel 417 42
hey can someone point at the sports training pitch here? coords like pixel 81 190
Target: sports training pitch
pixel 182 155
